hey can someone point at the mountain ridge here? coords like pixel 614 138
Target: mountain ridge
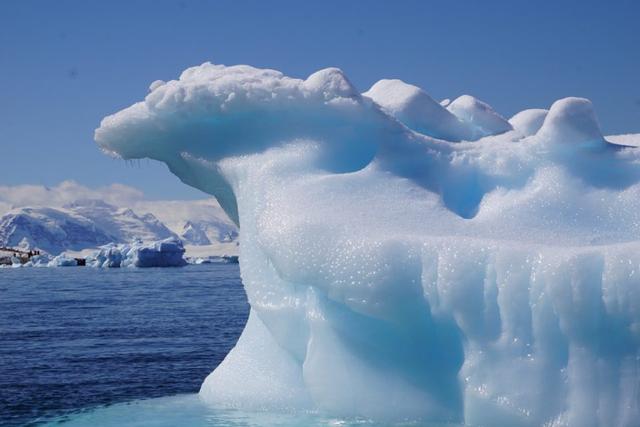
pixel 88 223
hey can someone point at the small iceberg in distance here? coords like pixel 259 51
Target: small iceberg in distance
pixel 214 259
pixel 168 252
pixel 469 270
pixel 164 253
pixel 62 260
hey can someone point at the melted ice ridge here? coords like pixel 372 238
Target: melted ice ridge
pixel 396 275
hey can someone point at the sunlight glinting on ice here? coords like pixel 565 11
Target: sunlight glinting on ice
pixel 404 259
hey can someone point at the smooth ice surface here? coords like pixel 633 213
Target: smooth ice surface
pixel 393 275
pixel 61 260
pixel 630 139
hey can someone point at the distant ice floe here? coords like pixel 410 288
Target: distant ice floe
pixel 84 224
pixel 406 259
pixel 214 259
pixel 63 260
pixel 164 253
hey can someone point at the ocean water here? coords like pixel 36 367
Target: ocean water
pixel 72 339
pixel 189 411
pixel 125 347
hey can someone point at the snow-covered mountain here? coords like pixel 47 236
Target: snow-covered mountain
pixel 78 226
pixel 86 223
pixel 196 222
pixel 122 224
pixel 51 230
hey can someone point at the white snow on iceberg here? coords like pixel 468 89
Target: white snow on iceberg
pixel 418 111
pixel 62 260
pixel 393 275
pixel 528 122
pixel 164 253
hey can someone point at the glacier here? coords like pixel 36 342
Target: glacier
pixel 406 259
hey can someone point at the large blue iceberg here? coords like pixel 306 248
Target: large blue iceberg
pixel 407 259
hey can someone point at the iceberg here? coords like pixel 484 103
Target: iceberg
pixel 409 261
pixel 164 253
pixel 214 259
pixel 528 122
pixel 62 260
pixel 168 252
pixel 42 260
pixel 108 256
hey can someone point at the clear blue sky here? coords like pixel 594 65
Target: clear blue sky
pixel 66 64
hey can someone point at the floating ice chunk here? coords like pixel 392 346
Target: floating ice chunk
pixel 214 259
pixel 108 256
pixel 38 261
pixel 479 115
pixel 62 260
pixel 528 122
pixel 416 109
pixel 164 253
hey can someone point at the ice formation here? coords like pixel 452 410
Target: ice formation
pixel 77 219
pixel 393 274
pixel 416 109
pixel 38 261
pixel 528 122
pixel 62 260
pixel 165 253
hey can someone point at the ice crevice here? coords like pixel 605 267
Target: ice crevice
pixel 407 260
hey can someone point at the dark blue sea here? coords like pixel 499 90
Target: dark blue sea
pixel 76 338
